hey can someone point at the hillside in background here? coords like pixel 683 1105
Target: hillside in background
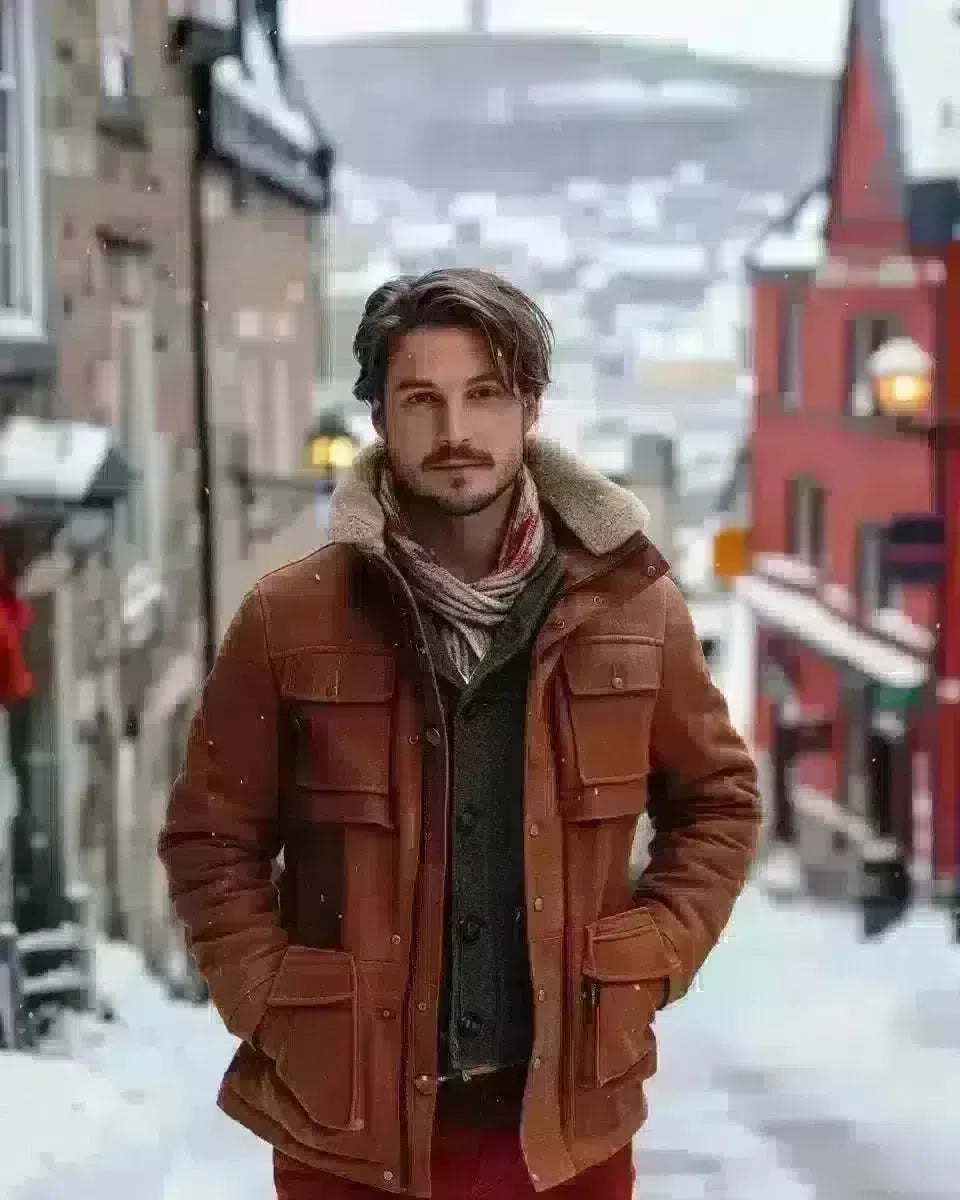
pixel 523 113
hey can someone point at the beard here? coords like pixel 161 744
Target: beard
pixel 452 505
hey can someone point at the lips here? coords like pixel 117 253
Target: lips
pixel 456 466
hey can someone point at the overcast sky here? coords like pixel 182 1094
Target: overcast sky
pixel 808 34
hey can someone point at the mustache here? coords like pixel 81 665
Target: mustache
pixel 462 453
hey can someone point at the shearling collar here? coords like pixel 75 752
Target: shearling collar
pixel 600 514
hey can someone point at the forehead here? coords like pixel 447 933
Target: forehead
pixel 440 355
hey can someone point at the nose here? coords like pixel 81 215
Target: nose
pixel 451 424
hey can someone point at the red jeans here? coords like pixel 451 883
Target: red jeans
pixel 468 1164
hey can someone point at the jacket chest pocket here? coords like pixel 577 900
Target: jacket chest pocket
pixel 341 709
pixel 611 688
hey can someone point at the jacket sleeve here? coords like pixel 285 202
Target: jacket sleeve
pixel 221 833
pixel 706 816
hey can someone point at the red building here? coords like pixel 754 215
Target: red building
pixel 856 479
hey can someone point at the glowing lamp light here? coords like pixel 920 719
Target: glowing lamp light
pixel 901 378
pixel 331 453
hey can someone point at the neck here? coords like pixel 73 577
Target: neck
pixel 467 546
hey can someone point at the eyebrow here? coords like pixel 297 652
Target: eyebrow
pixel 406 385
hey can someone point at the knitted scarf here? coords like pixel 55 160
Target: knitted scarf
pixel 469 612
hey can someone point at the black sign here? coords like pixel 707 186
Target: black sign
pixel 915 549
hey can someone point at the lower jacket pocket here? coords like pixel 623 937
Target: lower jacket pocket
pixel 617 1029
pixel 310 1031
pixel 626 968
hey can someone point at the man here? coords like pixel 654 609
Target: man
pixel 450 720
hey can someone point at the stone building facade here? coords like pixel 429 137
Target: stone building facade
pixel 180 184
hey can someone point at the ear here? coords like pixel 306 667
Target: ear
pixel 531 414
pixel 376 417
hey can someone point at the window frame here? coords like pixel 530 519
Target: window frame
pixel 790 353
pixel 884 596
pixel 807 521
pixel 862 341
pixel 116 36
pixel 25 317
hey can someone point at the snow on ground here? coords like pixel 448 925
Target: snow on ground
pixel 843 1058
pixel 131 1111
pixel 803 1066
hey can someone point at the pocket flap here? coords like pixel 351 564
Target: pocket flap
pixel 338 677
pixel 614 667
pixel 606 801
pixel 311 976
pixel 626 948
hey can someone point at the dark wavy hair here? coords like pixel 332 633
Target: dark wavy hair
pixel 517 331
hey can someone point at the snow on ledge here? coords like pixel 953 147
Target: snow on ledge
pixel 255 83
pixel 798 244
pixel 814 624
pixel 791 570
pixel 898 625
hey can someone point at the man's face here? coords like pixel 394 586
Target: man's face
pixel 454 434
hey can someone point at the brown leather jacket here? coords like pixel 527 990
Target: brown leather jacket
pixel 320 732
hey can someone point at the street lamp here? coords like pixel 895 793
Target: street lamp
pixel 332 453
pixel 330 449
pixel 901 378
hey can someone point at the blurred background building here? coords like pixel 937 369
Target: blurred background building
pixel 166 186
pixel 751 274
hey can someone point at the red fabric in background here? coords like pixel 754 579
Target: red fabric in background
pixel 468 1164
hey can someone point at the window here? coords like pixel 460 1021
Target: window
pixel 866 333
pixel 806 515
pixel 874 591
pixel 128 403
pixel 255 419
pixel 285 454
pixel 21 280
pixel 790 352
pixel 116 48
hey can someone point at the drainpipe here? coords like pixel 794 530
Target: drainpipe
pixel 945 452
pixel 199 91
pixel 191 986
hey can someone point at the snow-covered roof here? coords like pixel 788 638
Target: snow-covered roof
pixel 254 81
pixel 796 242
pixel 921 43
pixel 817 626
pixel 651 260
pixel 421 236
pixel 56 460
pixel 626 94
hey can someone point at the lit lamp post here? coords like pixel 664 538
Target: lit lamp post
pixel 901 378
pixel 330 448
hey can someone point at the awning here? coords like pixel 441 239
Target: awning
pixel 804 618
pixel 53 469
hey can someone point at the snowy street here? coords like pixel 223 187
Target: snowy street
pixel 805 1066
